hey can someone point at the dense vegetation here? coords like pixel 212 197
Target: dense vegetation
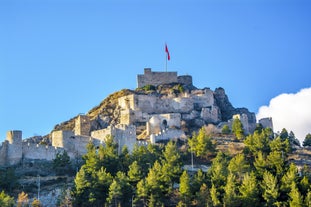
pixel 154 176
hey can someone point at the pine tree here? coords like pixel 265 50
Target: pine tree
pixel 83 187
pixel 101 185
pixel 134 173
pixel 270 188
pixel 185 188
pixel 201 144
pixel 172 162
pixel 237 128
pixel 260 164
pixel 290 176
pixel 307 200
pixel 307 140
pixel 238 166
pixel 295 196
pixel 215 196
pixel 120 191
pixel 6 200
pixel 230 195
pixel 249 191
pixel 142 191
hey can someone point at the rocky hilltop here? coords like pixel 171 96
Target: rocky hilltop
pixel 164 106
pixel 108 112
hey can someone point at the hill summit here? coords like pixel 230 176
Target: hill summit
pixel 164 106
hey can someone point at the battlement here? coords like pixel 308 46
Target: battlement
pixel 158 78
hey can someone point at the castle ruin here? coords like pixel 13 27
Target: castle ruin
pixel 162 117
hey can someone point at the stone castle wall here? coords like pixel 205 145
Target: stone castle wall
pixel 138 108
pixel 266 122
pixel 82 125
pixel 155 78
pixel 14 150
pixel 33 151
pixel 185 80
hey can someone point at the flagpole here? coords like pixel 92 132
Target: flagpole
pixel 166 62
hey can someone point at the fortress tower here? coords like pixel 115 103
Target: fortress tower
pixel 14 136
pixel 82 125
pixel 15 147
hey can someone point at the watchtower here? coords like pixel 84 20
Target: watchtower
pixel 82 125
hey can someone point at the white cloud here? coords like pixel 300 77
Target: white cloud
pixel 290 111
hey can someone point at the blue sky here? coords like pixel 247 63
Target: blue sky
pixel 60 58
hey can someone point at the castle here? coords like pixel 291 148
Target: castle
pixel 162 118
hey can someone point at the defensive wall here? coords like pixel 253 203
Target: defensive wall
pixel 158 78
pixel 138 108
pixel 266 122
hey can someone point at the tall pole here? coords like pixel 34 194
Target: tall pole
pixel 166 62
pixel 38 187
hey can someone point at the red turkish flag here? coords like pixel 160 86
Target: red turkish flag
pixel 168 53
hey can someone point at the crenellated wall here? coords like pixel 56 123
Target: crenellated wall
pixel 34 151
pixel 155 78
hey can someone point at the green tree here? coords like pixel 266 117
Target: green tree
pixel 215 196
pixel 307 141
pixel 172 162
pixel 134 173
pixel 108 156
pixel 158 187
pixel 238 166
pixel 249 191
pixel 270 189
pixel 6 200
pixel 257 142
pixel 8 179
pixel 225 129
pixel 62 164
pixel 230 195
pixel 142 191
pixel 83 187
pixel 237 128
pixel 202 197
pixel 201 144
pixel 185 188
pixel 276 162
pixel 260 164
pixel 295 196
pixel 284 134
pixel 304 185
pixel 307 201
pixel 120 190
pixel 100 186
pixel 219 171
pixel 289 177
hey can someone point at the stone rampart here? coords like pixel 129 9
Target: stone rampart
pixel 167 135
pixel 82 125
pixel 266 122
pixel 123 135
pixel 33 151
pixel 14 150
pixel 185 80
pixel 61 138
pixel 155 78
